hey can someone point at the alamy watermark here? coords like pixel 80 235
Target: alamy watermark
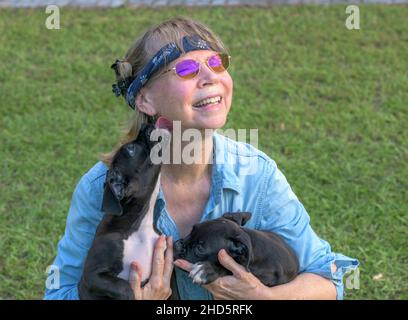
pixel 352 279
pixel 52 22
pixel 186 147
pixel 353 20
pixel 53 280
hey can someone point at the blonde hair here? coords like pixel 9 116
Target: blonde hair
pixel 140 53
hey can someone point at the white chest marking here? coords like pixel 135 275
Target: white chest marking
pixel 140 245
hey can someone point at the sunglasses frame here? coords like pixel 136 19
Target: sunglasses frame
pixel 199 65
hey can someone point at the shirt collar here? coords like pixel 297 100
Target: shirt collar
pixel 224 164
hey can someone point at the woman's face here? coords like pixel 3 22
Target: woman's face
pixel 173 97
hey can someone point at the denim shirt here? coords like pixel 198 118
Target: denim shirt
pixel 243 179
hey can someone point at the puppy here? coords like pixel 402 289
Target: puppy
pixel 262 253
pixel 127 232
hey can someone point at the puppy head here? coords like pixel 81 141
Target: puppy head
pixel 208 238
pixel 132 175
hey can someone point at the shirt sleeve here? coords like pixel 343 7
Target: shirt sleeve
pixel 83 218
pixel 283 214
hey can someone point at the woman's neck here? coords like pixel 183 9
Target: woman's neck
pixel 191 161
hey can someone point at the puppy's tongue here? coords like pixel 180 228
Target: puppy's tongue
pixel 164 123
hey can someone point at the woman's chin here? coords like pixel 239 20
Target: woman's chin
pixel 215 122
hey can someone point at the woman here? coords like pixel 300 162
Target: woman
pixel 164 77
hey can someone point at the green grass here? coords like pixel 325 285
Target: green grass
pixel 330 105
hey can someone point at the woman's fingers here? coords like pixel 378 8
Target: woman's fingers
pixel 158 286
pixel 158 263
pixel 168 262
pixel 229 263
pixel 184 264
pixel 135 276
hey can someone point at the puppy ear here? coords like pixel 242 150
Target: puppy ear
pixel 239 217
pixel 112 196
pixel 241 249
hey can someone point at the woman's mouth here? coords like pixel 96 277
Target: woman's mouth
pixel 208 104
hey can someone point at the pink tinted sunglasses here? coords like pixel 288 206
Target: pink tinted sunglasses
pixel 189 68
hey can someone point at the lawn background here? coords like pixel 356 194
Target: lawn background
pixel 330 105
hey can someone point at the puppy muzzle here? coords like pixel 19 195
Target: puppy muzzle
pixel 179 250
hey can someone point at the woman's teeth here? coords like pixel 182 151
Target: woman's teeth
pixel 207 101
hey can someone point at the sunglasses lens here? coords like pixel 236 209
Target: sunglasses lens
pixel 187 69
pixel 219 62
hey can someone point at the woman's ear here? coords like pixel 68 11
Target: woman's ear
pixel 144 103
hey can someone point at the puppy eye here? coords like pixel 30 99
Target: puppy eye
pixel 199 249
pixel 131 150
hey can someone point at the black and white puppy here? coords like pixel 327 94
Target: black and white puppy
pixel 127 232
pixel 263 253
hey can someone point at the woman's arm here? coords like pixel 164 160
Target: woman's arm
pixel 244 285
pixel 282 212
pixel 306 286
pixel 83 218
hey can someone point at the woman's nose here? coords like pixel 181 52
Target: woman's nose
pixel 207 76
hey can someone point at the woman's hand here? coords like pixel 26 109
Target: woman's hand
pixel 241 285
pixel 158 287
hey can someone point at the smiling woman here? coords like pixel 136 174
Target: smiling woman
pixel 197 95
pixel 148 60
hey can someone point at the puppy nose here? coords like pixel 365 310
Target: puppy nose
pixel 179 247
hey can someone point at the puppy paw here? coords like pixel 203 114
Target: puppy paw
pixel 203 273
pixel 198 273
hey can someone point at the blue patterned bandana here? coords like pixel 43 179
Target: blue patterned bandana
pixel 165 55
